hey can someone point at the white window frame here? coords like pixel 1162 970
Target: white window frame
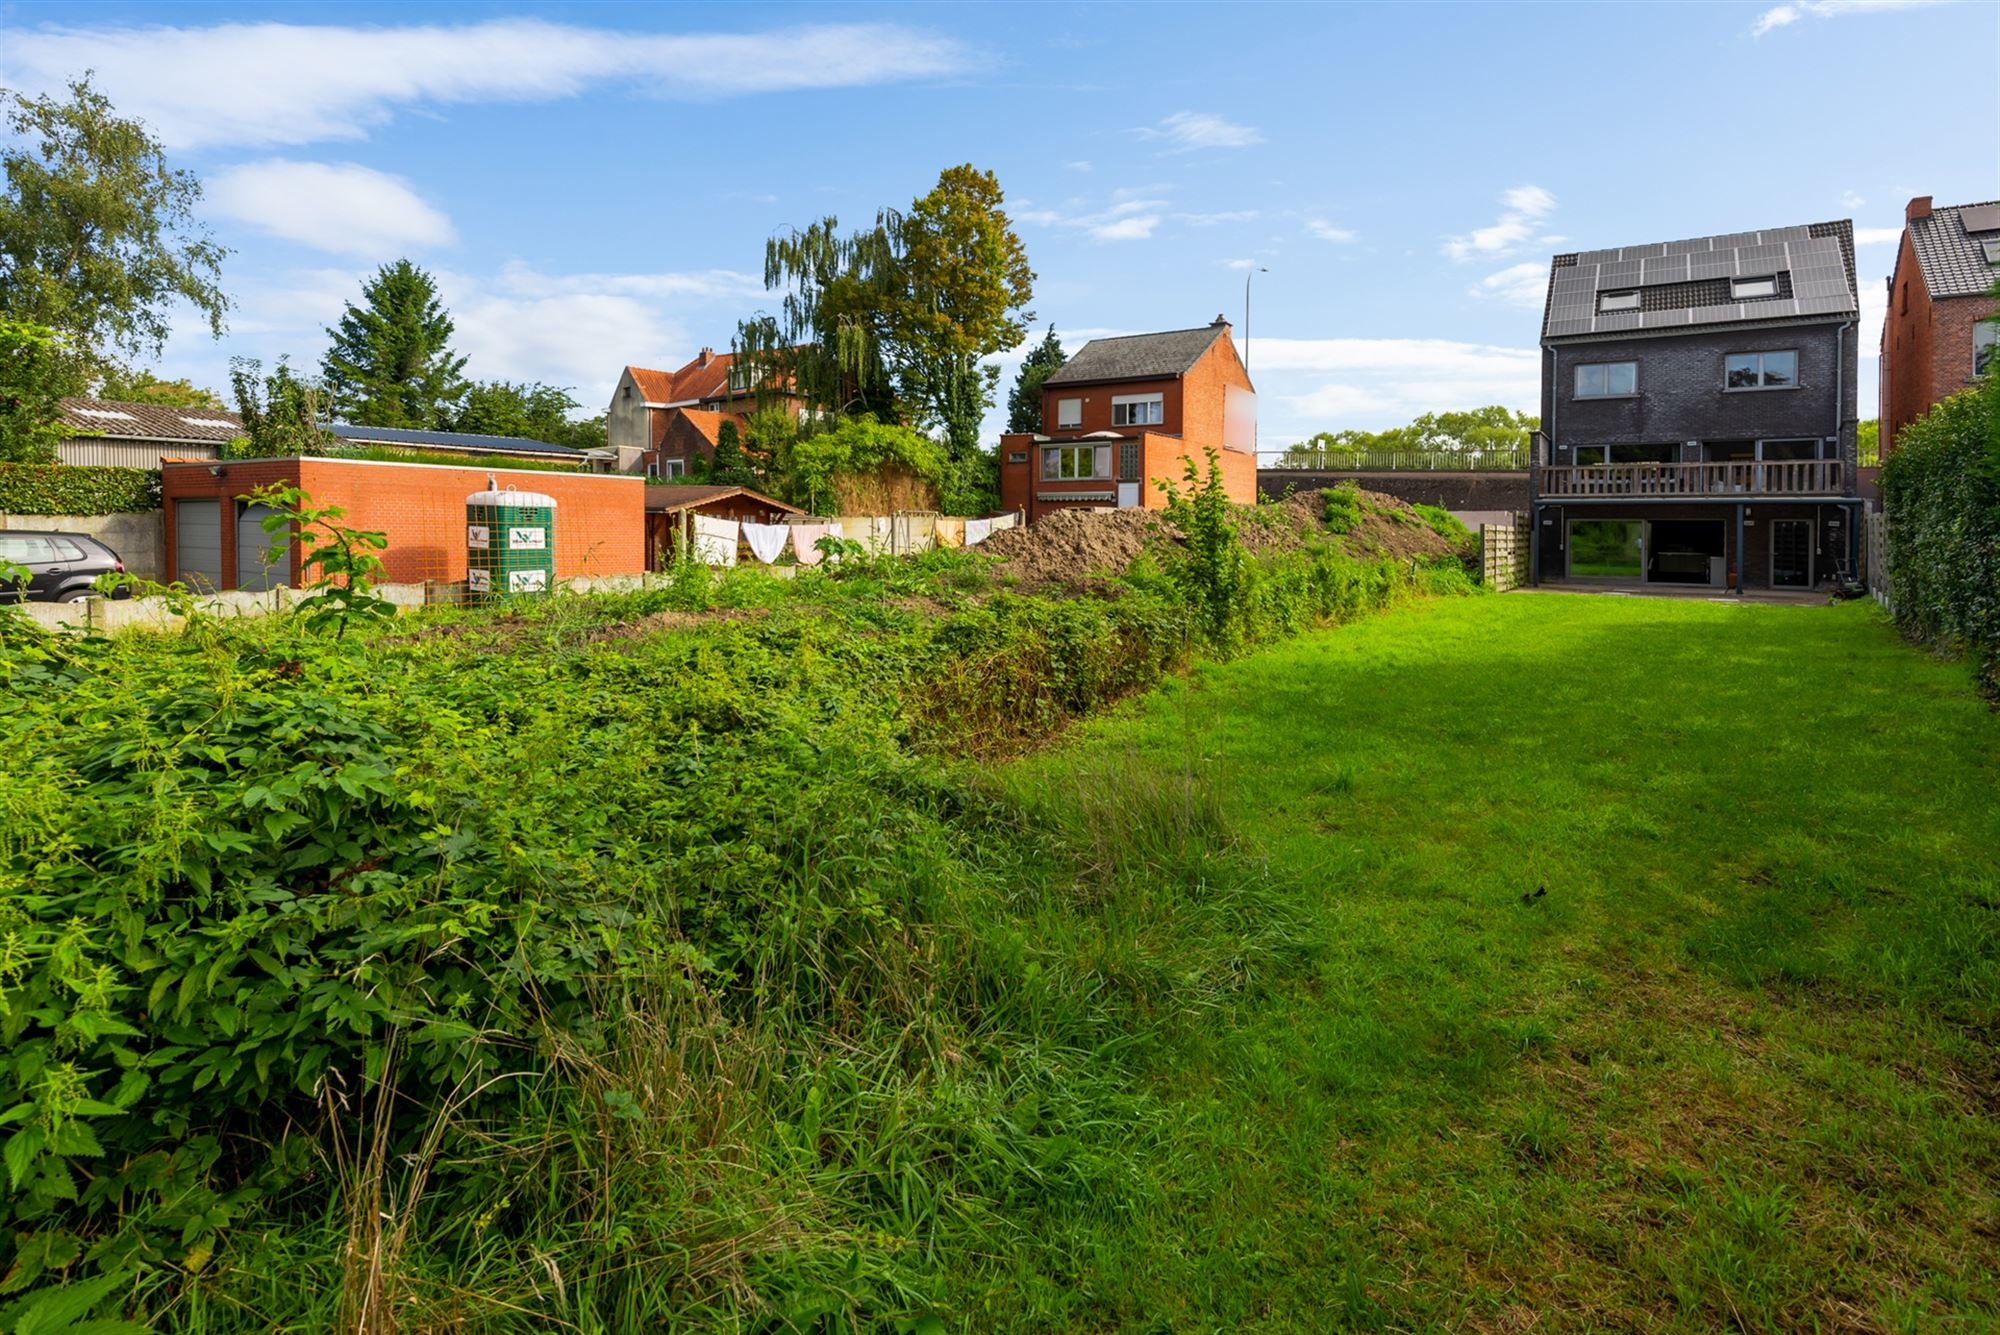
pixel 653 468
pixel 1069 414
pixel 1123 404
pixel 1056 458
pixel 677 468
pixel 1627 300
pixel 1739 288
pixel 1760 387
pixel 1577 390
pixel 1985 339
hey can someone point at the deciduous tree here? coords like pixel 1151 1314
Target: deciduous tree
pixel 98 237
pixel 391 362
pixel 531 410
pixel 282 412
pixel 38 369
pixel 130 386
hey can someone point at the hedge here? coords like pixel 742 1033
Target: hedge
pixel 1941 494
pixel 70 489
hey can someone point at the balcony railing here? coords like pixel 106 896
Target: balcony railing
pixel 1790 477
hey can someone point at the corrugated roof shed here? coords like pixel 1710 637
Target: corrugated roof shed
pixel 1951 248
pixel 1139 356
pixel 450 440
pixel 118 420
pixel 1679 285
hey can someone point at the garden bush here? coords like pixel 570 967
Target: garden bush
pixel 1941 495
pixel 71 489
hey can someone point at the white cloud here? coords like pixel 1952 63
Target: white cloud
pixel 1326 231
pixel 1877 236
pixel 1380 381
pixel 1080 165
pixel 1850 200
pixel 284 83
pixel 1524 284
pixel 1185 131
pixel 1128 220
pixel 340 207
pixel 1211 219
pixel 1783 16
pixel 1238 265
pixel 1526 208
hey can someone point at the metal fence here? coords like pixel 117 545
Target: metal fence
pixel 1401 461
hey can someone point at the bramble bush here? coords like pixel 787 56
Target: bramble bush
pixel 370 982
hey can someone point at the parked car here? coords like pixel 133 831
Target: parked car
pixel 62 567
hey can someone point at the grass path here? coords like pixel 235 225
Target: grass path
pixel 1641 971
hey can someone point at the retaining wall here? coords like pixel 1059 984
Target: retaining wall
pixel 138 538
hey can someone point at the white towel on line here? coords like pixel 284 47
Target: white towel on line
pixel 977 531
pixel 805 541
pixel 714 540
pixel 767 541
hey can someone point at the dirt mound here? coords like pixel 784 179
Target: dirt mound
pixel 1070 546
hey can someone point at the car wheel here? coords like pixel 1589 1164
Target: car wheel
pixel 72 595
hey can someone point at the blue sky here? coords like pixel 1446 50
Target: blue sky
pixel 593 184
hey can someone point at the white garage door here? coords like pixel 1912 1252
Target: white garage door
pixel 263 561
pixel 198 544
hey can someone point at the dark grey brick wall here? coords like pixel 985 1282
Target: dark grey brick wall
pixel 1681 395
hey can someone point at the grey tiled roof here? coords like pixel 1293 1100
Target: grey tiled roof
pixel 1684 283
pixel 450 440
pixel 1138 356
pixel 1952 260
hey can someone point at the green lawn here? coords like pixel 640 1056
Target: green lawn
pixel 1607 963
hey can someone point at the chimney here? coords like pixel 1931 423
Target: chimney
pixel 707 356
pixel 1220 319
pixel 1920 207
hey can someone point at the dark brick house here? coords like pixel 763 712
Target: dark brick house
pixel 1698 413
pixel 1939 332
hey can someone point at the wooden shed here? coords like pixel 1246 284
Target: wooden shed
pixel 670 507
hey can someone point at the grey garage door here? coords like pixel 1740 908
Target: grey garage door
pixel 262 561
pixel 198 544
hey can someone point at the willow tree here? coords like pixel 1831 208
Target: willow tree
pixel 894 319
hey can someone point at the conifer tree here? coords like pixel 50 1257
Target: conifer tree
pixel 1024 401
pixel 391 362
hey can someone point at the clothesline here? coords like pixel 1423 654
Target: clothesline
pixel 716 540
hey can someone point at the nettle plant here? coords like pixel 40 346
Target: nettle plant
pixel 339 561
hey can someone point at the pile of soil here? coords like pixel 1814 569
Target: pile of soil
pixel 1070 546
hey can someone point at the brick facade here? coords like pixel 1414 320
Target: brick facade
pixel 600 518
pixel 1926 345
pixel 1193 410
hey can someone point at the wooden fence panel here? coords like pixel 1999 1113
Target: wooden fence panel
pixel 1503 554
pixel 1875 530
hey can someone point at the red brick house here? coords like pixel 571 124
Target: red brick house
pixel 215 538
pixel 1126 413
pixel 660 421
pixel 1938 335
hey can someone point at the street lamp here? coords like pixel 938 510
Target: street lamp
pixel 1246 314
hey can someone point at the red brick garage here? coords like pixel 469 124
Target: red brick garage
pixel 212 540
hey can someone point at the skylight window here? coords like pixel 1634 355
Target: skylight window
pixel 1991 245
pixel 111 413
pixel 1617 301
pixel 209 421
pixel 1748 289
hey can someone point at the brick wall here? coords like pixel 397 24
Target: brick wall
pixel 600 518
pixel 1907 358
pixel 1097 404
pixel 1682 396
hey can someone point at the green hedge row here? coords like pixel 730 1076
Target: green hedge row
pixel 1941 493
pixel 66 489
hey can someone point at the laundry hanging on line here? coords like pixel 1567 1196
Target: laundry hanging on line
pixel 977 531
pixel 767 541
pixel 714 540
pixel 805 541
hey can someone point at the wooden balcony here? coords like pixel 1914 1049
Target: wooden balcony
pixel 1792 477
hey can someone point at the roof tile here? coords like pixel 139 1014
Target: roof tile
pixel 1951 259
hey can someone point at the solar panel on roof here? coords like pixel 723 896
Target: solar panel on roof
pixel 1980 218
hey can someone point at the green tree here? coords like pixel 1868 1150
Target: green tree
pixel 531 410
pixel 730 467
pixel 391 362
pixel 1492 430
pixel 1868 442
pixel 962 294
pixel 893 320
pixel 281 412
pixel 1024 401
pixel 130 386
pixel 38 369
pixel 861 452
pixel 98 237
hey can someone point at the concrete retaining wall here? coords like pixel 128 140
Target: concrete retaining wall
pixel 1462 493
pixel 139 539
